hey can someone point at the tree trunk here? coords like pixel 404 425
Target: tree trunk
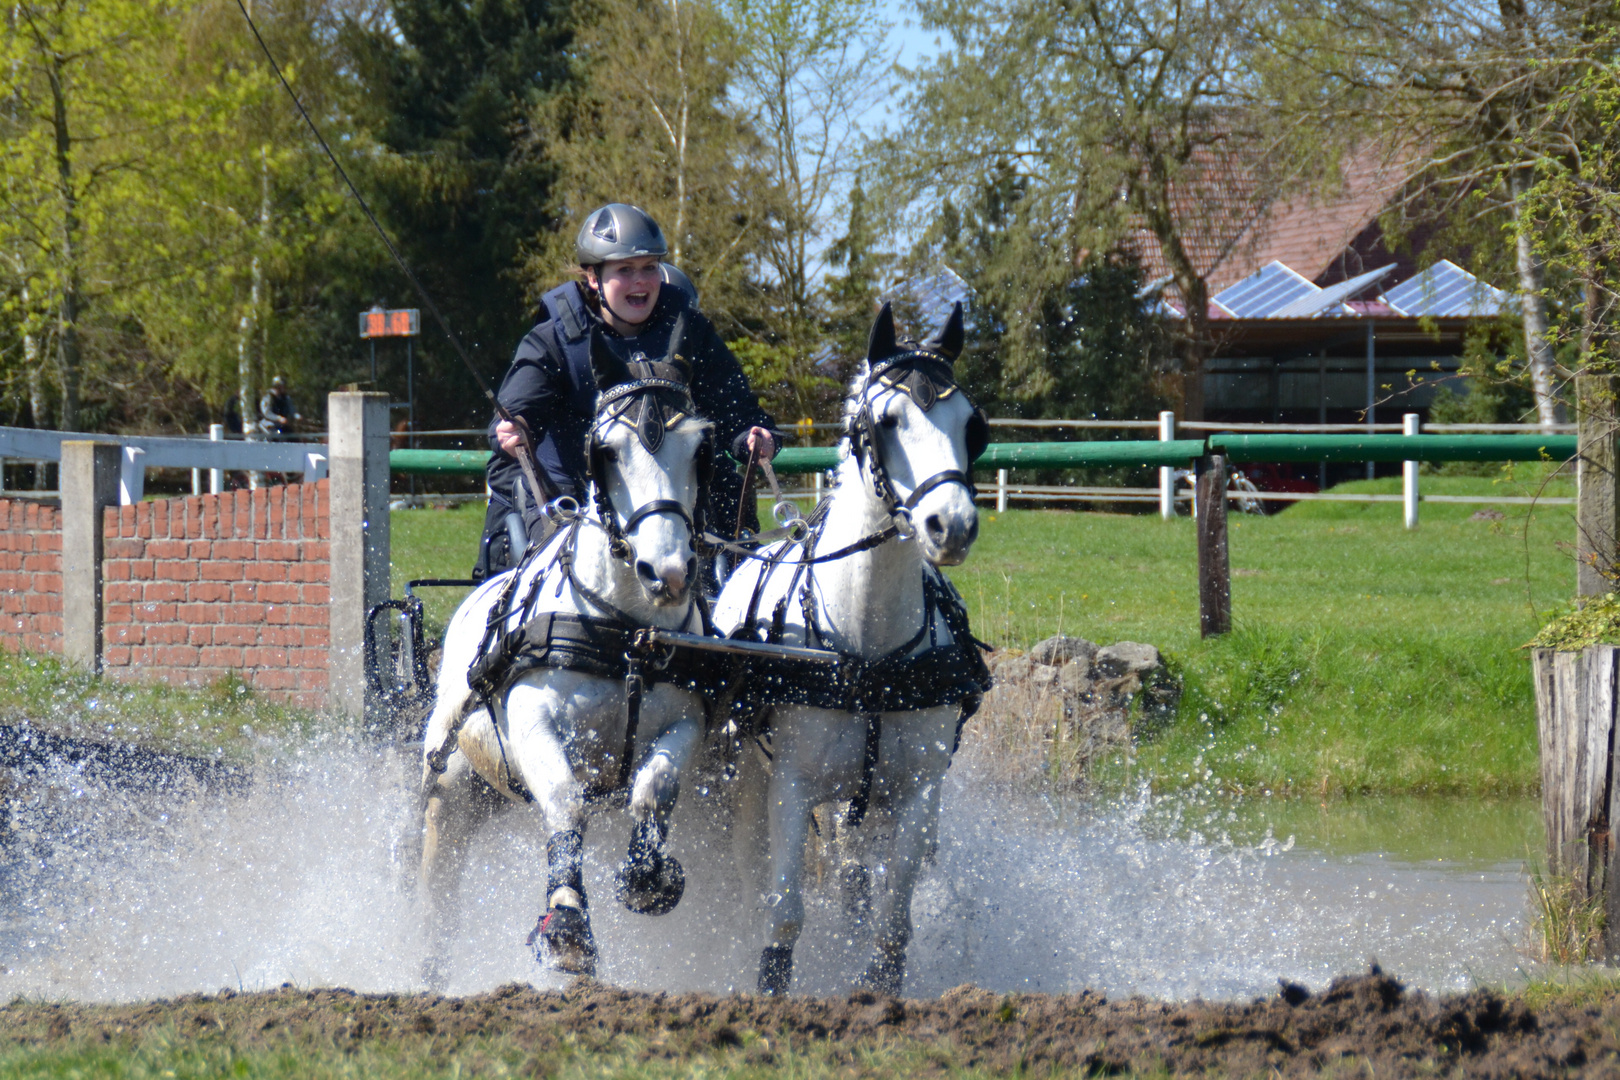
pixel 69 355
pixel 1195 349
pixel 1533 298
pixel 1597 493
pixel 1575 709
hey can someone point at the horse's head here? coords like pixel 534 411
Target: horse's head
pixel 914 433
pixel 649 453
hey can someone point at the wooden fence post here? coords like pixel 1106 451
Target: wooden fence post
pixel 1597 507
pixel 1214 566
pixel 1575 710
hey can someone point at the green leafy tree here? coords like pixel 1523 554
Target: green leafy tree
pixel 444 93
pixel 93 178
pixel 1117 120
pixel 647 120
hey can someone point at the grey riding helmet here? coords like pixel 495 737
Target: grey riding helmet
pixel 676 277
pixel 618 231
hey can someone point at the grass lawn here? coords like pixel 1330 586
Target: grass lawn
pixel 222 719
pixel 1365 659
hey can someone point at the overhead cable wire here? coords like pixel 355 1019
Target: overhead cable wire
pixel 543 490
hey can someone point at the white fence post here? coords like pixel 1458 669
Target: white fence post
pixel 216 477
pixel 1001 491
pixel 1411 424
pixel 131 476
pixel 1167 475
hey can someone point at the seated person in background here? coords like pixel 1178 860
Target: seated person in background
pixel 277 414
pixel 550 388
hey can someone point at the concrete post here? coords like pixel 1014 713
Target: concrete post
pixel 358 470
pixel 1597 504
pixel 89 483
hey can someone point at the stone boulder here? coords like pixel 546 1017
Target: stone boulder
pixel 1069 702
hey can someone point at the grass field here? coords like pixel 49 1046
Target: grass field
pixel 1365 659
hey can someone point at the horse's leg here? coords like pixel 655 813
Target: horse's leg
pixel 915 754
pixel 562 937
pixel 650 881
pixel 749 821
pixel 456 803
pixel 804 748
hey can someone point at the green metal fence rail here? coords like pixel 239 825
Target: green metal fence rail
pixel 1127 452
pixel 1342 448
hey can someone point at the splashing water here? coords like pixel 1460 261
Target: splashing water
pixel 307 875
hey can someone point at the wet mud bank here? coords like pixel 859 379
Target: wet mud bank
pixel 1359 1023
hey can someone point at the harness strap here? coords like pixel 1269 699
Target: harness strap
pixel 874 744
pixel 949 476
pixel 634 686
pixel 659 506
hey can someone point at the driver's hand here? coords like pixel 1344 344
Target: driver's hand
pixel 509 436
pixel 761 443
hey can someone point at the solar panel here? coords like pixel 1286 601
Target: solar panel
pixel 1334 295
pixel 1445 289
pixel 1265 292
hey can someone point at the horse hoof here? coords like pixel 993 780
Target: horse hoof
pixel 884 975
pixel 436 974
pixel 562 941
pixel 775 970
pixel 650 886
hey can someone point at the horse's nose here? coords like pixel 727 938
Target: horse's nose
pixel 668 582
pixel 951 535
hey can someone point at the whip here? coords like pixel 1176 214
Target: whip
pixel 539 483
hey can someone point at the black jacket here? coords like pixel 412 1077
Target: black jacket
pixel 551 387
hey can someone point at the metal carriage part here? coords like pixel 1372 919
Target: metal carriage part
pixel 396 656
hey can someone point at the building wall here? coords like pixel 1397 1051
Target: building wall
pixel 193 589
pixel 30 576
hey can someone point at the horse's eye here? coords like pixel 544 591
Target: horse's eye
pixel 889 421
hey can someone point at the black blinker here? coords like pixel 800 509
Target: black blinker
pixel 650 428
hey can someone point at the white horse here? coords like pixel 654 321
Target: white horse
pixel 562 703
pixel 881 729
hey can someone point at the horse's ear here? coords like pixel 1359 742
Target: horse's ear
pixel 677 336
pixel 607 366
pixel 948 342
pixel 882 345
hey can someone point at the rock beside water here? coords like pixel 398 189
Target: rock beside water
pixel 1069 702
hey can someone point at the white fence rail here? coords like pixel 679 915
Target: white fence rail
pixel 142 452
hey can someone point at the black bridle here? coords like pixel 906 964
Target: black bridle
pixel 663 402
pixel 926 378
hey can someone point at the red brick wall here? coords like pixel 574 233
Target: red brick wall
pixel 30 576
pixel 196 588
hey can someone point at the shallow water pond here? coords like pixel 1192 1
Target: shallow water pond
pixel 307 876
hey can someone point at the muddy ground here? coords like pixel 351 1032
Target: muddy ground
pixel 1362 1025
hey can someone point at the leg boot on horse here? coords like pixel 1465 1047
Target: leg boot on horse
pixel 562 939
